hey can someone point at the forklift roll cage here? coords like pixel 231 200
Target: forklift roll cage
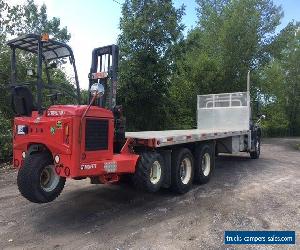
pixel 46 50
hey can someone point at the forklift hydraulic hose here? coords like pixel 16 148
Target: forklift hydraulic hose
pixel 82 117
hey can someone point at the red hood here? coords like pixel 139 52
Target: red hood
pixel 77 110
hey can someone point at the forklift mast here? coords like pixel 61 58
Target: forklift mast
pixel 104 69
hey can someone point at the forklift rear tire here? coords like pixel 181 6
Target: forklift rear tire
pixel 182 171
pixel 204 163
pixel 150 172
pixel 37 179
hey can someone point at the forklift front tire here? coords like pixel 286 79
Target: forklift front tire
pixel 37 179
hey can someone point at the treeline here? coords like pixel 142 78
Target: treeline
pixel 162 71
pixel 163 68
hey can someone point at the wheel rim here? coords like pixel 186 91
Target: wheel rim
pixel 185 170
pixel 49 179
pixel 206 164
pixel 155 172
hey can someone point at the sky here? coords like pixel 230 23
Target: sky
pixel 94 23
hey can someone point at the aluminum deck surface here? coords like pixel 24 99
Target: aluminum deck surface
pixel 172 137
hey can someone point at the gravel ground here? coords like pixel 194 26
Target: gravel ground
pixel 243 194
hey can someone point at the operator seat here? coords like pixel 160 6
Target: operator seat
pixel 22 101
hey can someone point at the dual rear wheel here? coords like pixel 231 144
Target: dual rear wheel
pixel 185 168
pixel 182 170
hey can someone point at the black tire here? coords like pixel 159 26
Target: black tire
pixel 256 153
pixel 29 179
pixel 142 176
pixel 203 174
pixel 178 185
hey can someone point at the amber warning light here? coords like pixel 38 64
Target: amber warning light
pixel 45 37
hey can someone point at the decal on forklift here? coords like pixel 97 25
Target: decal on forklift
pixel 52 130
pixel 110 167
pixel 21 129
pixel 55 112
pixel 59 124
pixel 88 166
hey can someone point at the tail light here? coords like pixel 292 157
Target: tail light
pixel 67 130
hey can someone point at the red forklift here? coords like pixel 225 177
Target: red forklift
pixel 51 144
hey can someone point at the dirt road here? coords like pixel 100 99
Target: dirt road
pixel 244 194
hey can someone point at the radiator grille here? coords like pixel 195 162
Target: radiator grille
pixel 96 135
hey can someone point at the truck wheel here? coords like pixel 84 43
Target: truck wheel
pixel 37 179
pixel 256 153
pixel 150 172
pixel 204 163
pixel 182 171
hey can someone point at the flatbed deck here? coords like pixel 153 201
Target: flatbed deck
pixel 172 137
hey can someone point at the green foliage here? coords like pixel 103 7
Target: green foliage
pixel 32 19
pixel 84 96
pixel 148 36
pixel 159 86
pixel 231 38
pixel 280 84
pixel 5 138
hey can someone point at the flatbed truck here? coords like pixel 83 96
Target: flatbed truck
pixel 89 141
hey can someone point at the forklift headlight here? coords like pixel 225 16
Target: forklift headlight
pixel 97 89
pixel 57 159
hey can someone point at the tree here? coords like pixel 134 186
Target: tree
pixel 231 38
pixel 280 83
pixel 239 32
pixel 150 30
pixel 30 18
